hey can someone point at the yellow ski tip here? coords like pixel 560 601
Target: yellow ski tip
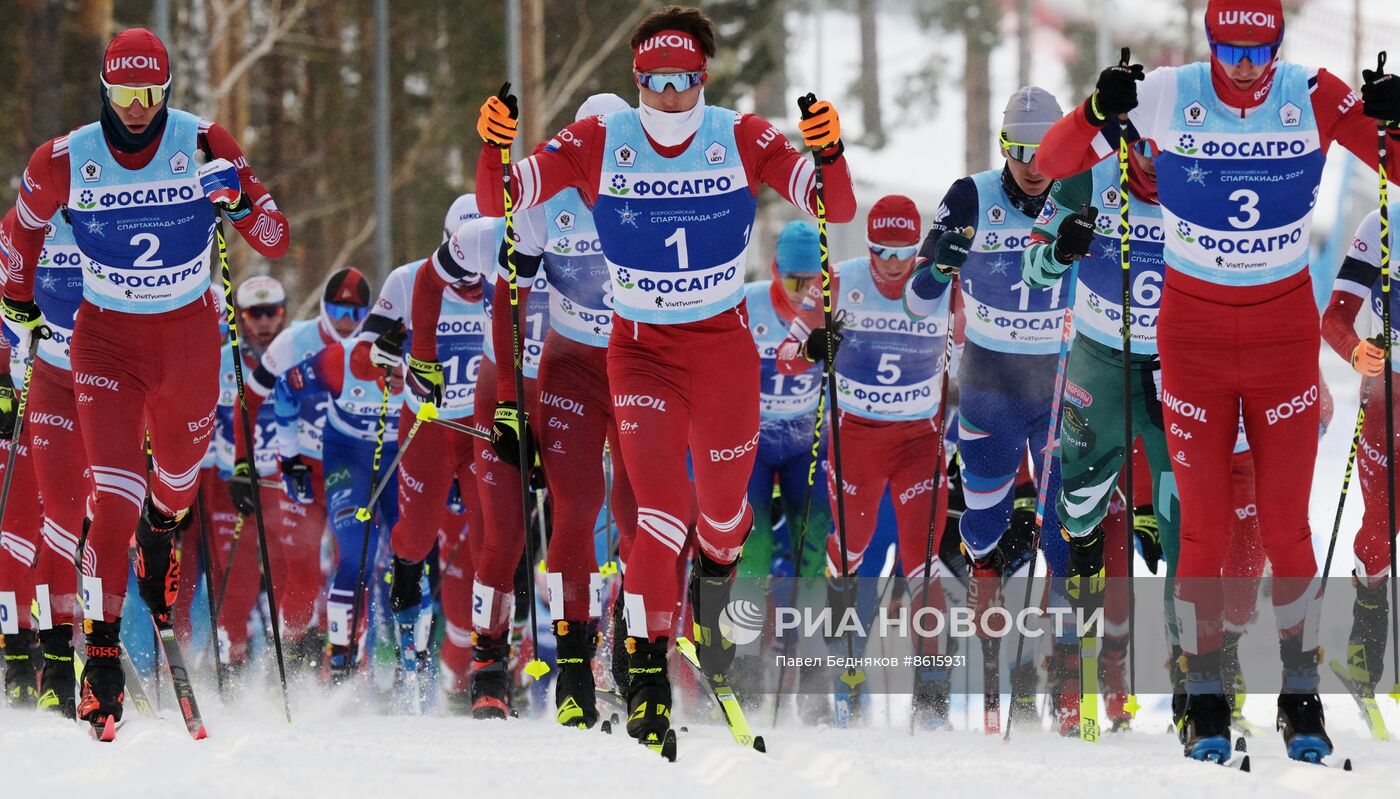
pixel 1132 705
pixel 1395 692
pixel 362 515
pixel 537 668
pixel 427 412
pixel 853 677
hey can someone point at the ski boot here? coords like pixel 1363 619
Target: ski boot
pixel 306 652
pixel 104 685
pixel 1232 677
pixel 1176 668
pixel 1062 673
pixel 1113 678
pixel 710 586
pixel 1205 725
pixel 932 687
pixel 490 689
pixel 157 564
pixel 575 698
pixel 618 665
pixel 1024 681
pixel 406 604
pixel 983 583
pixel 648 691
pixel 1300 716
pixel 1085 582
pixel 1366 644
pixel 339 664
pixel 21 677
pixel 57 684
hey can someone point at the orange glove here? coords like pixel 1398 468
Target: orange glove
pixel 1367 358
pixel 497 121
pixel 820 126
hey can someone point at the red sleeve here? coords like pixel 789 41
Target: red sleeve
pixel 330 367
pixel 573 158
pixel 1068 147
pixel 501 335
pixel 428 287
pixel 240 443
pixel 43 189
pixel 1339 323
pixel 770 159
pixel 1340 119
pixel 265 228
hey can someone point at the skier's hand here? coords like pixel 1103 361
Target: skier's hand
pixel 816 349
pixel 821 127
pixel 497 121
pixel 1149 540
pixel 219 180
pixel 506 431
pixel 7 407
pixel 425 380
pixel 1116 91
pixel 1367 358
pixel 296 480
pixel 950 253
pixel 241 487
pixel 387 351
pixel 1076 235
pixel 1380 93
pixel 22 319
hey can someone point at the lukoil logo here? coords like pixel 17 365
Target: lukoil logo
pixel 741 622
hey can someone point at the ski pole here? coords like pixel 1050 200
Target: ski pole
pixel 204 545
pixel 940 427
pixel 1346 481
pixel 41 332
pixel 228 567
pixel 1383 151
pixel 465 429
pixel 535 668
pixel 366 514
pixel 1125 261
pixel 1052 434
pixel 852 676
pixel 427 412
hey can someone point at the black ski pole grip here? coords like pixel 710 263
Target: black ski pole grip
pixel 805 103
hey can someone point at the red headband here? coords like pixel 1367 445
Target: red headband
pixel 669 49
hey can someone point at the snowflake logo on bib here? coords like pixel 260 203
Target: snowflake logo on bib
pixel 1194 174
pixel 1186 144
pixel 86 201
pixel 95 227
pixel 627 216
pixel 1183 232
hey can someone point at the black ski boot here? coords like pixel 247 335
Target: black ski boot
pixel 710 586
pixel 1176 668
pixel 1300 716
pixel 405 585
pixel 1024 682
pixel 58 687
pixel 490 677
pixel 1205 723
pixel 932 687
pixel 575 699
pixel 618 665
pixel 340 664
pixel 157 565
pixel 1366 645
pixel 21 676
pixel 1085 582
pixel 104 685
pixel 648 691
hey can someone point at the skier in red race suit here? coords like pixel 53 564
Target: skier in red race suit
pixel 682 366
pixel 145 348
pixel 1242 141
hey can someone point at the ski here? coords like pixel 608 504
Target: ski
pixel 664 745
pixel 107 732
pixel 1365 697
pixel 411 666
pixel 991 686
pixel 724 697
pixel 1089 688
pixel 180 681
pixel 135 686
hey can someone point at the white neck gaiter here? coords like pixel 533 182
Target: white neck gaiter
pixel 671 129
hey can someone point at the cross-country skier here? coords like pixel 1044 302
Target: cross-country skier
pixel 19 547
pixel 1242 141
pixel 355 386
pixel 145 343
pixel 673 187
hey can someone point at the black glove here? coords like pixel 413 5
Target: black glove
pixel 8 407
pixel 1148 538
pixel 950 253
pixel 1076 235
pixel 815 348
pixel 387 350
pixel 509 420
pixel 1116 91
pixel 242 486
pixel 1380 93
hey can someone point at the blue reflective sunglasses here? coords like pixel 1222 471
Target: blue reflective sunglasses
pixel 338 310
pixel 1231 55
pixel 659 81
pixel 897 253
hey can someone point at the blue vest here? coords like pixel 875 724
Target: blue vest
pixel 306 342
pixel 1003 313
pixel 58 289
pixel 1098 305
pixel 462 329
pixel 675 231
pixel 889 367
pixel 581 296
pixel 780 396
pixel 1238 193
pixel 145 233
pixel 226 416
pixel 355 413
